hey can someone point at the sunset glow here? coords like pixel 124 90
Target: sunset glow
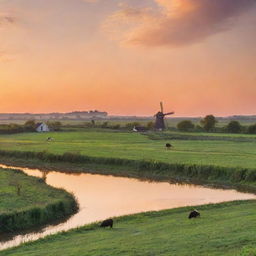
pixel 124 57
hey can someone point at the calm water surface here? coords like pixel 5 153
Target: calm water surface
pixel 101 196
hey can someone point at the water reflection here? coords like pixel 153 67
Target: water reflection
pixel 102 196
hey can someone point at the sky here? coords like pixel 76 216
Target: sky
pixel 124 57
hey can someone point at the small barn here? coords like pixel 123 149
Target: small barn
pixel 42 127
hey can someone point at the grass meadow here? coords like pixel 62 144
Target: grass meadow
pixel 222 229
pixel 128 145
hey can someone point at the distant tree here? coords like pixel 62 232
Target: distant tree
pixel 30 126
pixel 150 125
pixel 54 125
pixel 252 129
pixel 185 126
pixel 234 127
pixel 208 122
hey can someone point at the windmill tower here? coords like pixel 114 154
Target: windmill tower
pixel 159 124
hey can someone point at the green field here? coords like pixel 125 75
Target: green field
pixel 27 201
pixel 136 146
pixel 223 229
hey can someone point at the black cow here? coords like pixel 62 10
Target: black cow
pixel 194 214
pixel 168 146
pixel 107 223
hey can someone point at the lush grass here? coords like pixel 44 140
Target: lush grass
pixel 138 147
pixel 223 229
pixel 36 203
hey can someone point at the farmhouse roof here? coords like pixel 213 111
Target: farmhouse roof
pixel 38 124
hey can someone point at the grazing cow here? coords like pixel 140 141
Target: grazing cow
pixel 168 146
pixel 107 223
pixel 194 214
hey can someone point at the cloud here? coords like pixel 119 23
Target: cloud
pixel 6 19
pixel 174 22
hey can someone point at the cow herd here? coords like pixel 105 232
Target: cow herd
pixel 110 222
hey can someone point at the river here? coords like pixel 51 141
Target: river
pixel 102 196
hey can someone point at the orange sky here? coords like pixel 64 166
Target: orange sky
pixel 198 56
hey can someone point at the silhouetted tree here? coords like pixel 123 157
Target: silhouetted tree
pixel 208 122
pixel 234 127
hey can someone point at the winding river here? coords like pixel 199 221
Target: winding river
pixel 101 196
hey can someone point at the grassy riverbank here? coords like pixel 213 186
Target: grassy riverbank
pixel 223 229
pixel 136 155
pixel 28 202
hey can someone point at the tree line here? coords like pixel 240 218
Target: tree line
pixel 208 124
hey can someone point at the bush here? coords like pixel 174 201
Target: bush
pixel 185 126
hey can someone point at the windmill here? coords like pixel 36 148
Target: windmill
pixel 159 124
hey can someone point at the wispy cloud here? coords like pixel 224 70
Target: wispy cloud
pixel 6 19
pixel 175 22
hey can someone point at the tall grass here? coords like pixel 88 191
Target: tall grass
pixel 35 216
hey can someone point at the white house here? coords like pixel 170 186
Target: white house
pixel 42 127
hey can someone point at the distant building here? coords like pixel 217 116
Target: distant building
pixel 42 127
